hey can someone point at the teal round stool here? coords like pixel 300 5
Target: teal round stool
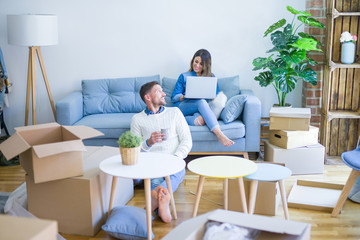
pixel 268 172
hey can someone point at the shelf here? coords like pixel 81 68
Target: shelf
pixel 334 65
pixel 334 114
pixel 336 14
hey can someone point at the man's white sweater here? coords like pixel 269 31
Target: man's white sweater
pixel 179 140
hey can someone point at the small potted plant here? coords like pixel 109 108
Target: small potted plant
pixel 129 147
pixel 289 61
pixel 348 47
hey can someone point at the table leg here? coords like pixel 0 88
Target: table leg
pixel 242 194
pixel 172 201
pixel 253 192
pixel 198 195
pixel 147 185
pixel 226 191
pixel 112 193
pixel 283 198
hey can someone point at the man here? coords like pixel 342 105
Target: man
pixel 148 125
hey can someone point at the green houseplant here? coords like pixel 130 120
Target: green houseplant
pixel 129 147
pixel 289 61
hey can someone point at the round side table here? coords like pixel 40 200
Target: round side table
pixel 150 165
pixel 224 167
pixel 268 172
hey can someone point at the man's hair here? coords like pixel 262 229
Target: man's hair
pixel 146 88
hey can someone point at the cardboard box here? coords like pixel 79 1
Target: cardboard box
pixel 49 151
pixel 293 139
pixel 270 228
pixel 79 204
pixel 267 199
pixel 302 160
pixel 314 195
pixel 295 119
pixel 20 228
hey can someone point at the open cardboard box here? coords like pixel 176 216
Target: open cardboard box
pixel 314 195
pixel 80 204
pixel 20 228
pixel 49 151
pixel 294 119
pixel 271 228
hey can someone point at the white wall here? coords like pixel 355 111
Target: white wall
pixel 118 38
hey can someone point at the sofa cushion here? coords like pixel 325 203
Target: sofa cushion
pixel 233 130
pixel 229 85
pixel 233 108
pixel 168 85
pixel 111 124
pixel 118 95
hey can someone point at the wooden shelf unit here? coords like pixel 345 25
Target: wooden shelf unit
pixel 340 113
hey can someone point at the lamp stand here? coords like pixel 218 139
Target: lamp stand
pixel 31 84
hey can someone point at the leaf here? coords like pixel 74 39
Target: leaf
pixel 275 26
pixel 260 63
pixel 295 56
pixel 307 35
pixel 287 82
pixel 311 21
pixel 293 11
pixel 308 75
pixel 306 44
pixel 264 78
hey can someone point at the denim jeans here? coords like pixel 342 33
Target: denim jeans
pixel 175 180
pixel 192 108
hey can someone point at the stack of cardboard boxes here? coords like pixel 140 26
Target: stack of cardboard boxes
pixel 63 180
pixel 294 142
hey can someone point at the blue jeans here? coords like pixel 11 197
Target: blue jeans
pixel 175 180
pixel 192 108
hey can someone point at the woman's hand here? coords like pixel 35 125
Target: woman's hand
pixel 182 98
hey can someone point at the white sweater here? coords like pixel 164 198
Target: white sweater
pixel 179 140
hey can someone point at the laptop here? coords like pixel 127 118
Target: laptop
pixel 201 87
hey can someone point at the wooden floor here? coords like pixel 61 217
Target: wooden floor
pixel 345 226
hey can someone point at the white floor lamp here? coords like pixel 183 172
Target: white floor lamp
pixel 33 30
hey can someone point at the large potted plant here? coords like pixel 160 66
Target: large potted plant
pixel 289 61
pixel 129 148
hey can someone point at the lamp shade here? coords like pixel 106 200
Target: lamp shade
pixel 32 29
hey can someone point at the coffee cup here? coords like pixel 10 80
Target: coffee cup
pixel 166 132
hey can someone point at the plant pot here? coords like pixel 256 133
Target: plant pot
pixel 348 52
pixel 129 156
pixel 286 105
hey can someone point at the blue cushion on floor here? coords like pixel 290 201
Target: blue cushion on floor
pixel 127 222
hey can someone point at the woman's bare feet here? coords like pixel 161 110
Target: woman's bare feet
pixel 223 139
pixel 199 121
pixel 164 201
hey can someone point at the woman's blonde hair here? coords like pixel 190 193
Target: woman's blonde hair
pixel 205 60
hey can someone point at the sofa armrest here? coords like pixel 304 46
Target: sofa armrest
pixel 252 121
pixel 70 109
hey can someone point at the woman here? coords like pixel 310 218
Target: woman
pixel 197 111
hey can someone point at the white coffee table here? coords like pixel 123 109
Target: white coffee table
pixel 223 167
pixel 150 165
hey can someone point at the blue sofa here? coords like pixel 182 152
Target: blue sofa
pixel 109 104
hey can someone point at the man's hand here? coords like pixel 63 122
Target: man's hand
pixel 155 137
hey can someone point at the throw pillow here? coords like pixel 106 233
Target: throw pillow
pixel 168 85
pixel 218 104
pixel 233 108
pixel 229 85
pixel 127 222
